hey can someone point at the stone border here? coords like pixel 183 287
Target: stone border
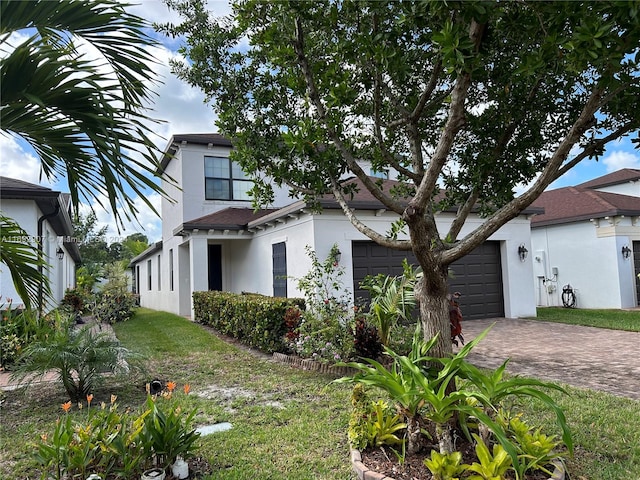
pixel 364 473
pixel 312 365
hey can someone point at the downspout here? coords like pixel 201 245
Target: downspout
pixel 41 221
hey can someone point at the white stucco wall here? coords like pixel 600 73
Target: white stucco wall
pixel 61 273
pixel 628 188
pixel 588 257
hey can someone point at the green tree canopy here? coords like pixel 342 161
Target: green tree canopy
pixel 476 97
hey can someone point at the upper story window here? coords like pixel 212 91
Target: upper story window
pixel 225 180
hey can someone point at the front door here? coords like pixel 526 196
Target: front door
pixel 215 267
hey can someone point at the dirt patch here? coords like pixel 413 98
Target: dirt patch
pixel 228 395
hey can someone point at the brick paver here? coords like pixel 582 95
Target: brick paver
pixel 586 357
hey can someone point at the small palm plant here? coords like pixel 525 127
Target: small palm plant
pixel 80 356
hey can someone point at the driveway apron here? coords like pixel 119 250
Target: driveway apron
pixel 585 357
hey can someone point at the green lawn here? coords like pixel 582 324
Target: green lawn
pixel 628 320
pixel 287 424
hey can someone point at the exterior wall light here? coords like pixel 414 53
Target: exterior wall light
pixel 626 252
pixel 60 253
pixel 522 252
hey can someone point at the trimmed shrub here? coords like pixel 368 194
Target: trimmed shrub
pixel 255 320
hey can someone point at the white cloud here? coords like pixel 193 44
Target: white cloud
pixel 147 222
pixel 620 159
pixel 18 163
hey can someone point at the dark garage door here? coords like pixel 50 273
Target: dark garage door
pixel 477 276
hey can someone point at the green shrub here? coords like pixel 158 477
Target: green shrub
pixel 115 443
pixel 256 320
pixel 18 329
pixel 77 300
pixel 80 357
pixel 113 307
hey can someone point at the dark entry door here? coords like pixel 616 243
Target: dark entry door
pixel 636 268
pixel 478 276
pixel 215 267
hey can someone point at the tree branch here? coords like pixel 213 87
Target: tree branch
pixel 365 230
pixel 549 174
pixel 298 44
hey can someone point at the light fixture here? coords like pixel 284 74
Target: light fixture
pixel 522 252
pixel 336 254
pixel 60 253
pixel 626 251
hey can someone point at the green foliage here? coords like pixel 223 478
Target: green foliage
pixel 359 420
pixel 85 119
pixel 324 332
pixel 23 260
pixel 491 467
pixel 445 466
pixel 384 425
pixel 536 450
pixel 114 302
pixel 456 97
pixel 115 442
pixel 168 432
pixel 256 320
pixel 79 355
pixel 19 328
pixel 392 298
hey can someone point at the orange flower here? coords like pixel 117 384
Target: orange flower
pixel 171 386
pixel 186 389
pixel 66 406
pixel 43 437
pixel 89 398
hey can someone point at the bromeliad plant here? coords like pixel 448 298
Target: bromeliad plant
pixel 454 396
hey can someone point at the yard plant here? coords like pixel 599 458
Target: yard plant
pixel 288 424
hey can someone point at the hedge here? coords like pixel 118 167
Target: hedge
pixel 255 320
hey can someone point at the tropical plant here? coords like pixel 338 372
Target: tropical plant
pixel 84 118
pixel 79 355
pixel 491 466
pixel 168 432
pixel 384 425
pixel 21 327
pixel 445 466
pixel 429 90
pixel 392 298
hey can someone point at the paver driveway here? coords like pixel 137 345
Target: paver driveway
pixel 587 357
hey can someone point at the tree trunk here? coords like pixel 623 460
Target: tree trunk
pixel 414 436
pixel 434 311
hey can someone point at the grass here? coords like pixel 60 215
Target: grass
pixel 287 424
pixel 628 320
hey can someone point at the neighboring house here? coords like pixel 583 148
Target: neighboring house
pixel 589 238
pixel 44 215
pixel 212 239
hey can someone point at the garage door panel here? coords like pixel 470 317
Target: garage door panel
pixel 477 276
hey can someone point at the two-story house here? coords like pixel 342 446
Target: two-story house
pixel 588 238
pixel 212 239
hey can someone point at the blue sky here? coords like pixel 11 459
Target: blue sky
pixel 183 110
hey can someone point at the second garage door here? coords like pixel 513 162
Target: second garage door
pixel 477 276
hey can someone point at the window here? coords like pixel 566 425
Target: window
pixel 137 280
pixel 279 254
pixel 171 269
pixel 148 274
pixel 225 180
pixel 159 269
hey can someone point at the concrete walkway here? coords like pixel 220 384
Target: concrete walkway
pixel 585 357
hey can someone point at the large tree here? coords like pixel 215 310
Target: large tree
pixel 467 99
pixel 75 84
